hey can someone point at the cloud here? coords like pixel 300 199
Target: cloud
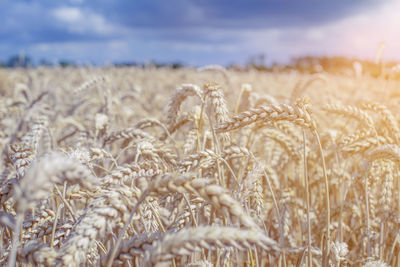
pixel 31 22
pixel 79 21
pixel 68 14
pixel 199 32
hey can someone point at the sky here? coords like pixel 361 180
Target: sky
pixel 198 32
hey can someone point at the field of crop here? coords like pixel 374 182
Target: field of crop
pixel 198 167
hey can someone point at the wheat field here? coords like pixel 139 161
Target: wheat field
pixel 199 167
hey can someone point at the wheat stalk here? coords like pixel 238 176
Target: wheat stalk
pixel 189 240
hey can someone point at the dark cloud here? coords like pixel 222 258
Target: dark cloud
pixel 229 14
pixel 261 13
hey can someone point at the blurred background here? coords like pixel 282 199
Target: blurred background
pixel 262 33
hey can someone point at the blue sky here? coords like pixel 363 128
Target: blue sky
pixel 197 32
